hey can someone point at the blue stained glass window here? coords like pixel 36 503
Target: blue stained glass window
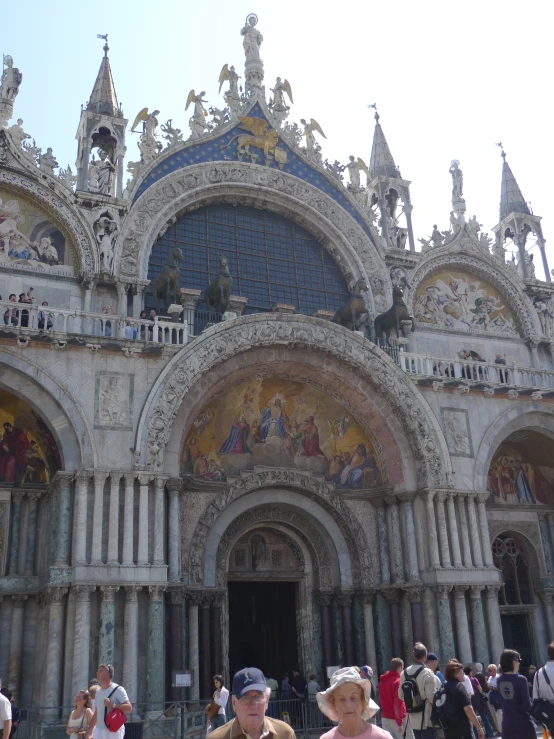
pixel 271 259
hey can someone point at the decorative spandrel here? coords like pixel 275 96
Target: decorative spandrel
pixel 28 452
pixel 522 470
pixel 454 300
pixel 278 422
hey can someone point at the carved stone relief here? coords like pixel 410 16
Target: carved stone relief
pixel 457 431
pixel 114 401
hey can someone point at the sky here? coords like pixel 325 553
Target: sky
pixel 449 78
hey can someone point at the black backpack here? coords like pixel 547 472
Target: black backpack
pixel 542 710
pixel 443 710
pixel 412 697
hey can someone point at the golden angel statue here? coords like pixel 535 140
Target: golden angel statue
pixel 228 74
pixel 279 93
pixel 309 129
pixel 197 122
pixel 354 166
pixel 148 146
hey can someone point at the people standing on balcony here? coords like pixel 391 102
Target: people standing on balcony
pixel 503 374
pixel 107 310
pixel 11 315
pixel 45 319
pixel 25 298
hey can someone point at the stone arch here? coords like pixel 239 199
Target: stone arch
pixel 57 407
pixel 342 534
pixel 531 416
pixel 301 534
pixel 53 202
pixel 487 268
pixel 356 253
pixel 416 422
pixel 526 532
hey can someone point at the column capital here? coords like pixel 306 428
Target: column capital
pixel 366 596
pixel 475 592
pixel 442 591
pixel 174 485
pixel 325 598
pixel 406 497
pixel 344 597
pixel 83 592
pixel 144 478
pixel 218 598
pixel 176 596
pixel 550 517
pixel 391 595
pixel 108 593
pixel 121 287
pixel 100 477
pixel 492 591
pixel 156 593
pixel 139 286
pixel 83 476
pixel 482 498
pixel 207 600
pixel 131 593
pixel 19 600
pixel 34 495
pixel 17 496
pixel 51 595
pixel 129 478
pixel 441 496
pixel 115 476
pixel 195 597
pixel 415 594
pixel 547 596
pixel 160 481
pixel 460 591
pixel 61 478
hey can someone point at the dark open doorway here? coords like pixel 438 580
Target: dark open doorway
pixel 515 631
pixel 262 627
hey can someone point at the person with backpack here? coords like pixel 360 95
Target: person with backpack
pixel 516 704
pixel 452 709
pixel 418 685
pixel 543 692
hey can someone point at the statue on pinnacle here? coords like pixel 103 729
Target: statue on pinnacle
pixel 254 66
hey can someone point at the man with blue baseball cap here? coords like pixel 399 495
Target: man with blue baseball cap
pixel 250 700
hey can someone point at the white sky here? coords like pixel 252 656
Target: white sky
pixel 449 78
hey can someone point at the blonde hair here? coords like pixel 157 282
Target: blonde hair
pixel 492 667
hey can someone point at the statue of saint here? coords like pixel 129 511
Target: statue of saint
pixel 105 170
pixel 252 38
pixel 47 162
pixel 18 134
pixel 457 180
pixel 11 79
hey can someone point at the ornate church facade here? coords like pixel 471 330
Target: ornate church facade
pixel 245 420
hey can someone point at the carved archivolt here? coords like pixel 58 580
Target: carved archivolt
pixel 78 230
pixel 196 186
pixel 486 267
pixel 227 339
pixel 319 553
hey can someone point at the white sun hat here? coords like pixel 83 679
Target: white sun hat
pixel 339 677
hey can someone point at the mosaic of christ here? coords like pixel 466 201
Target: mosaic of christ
pixel 280 423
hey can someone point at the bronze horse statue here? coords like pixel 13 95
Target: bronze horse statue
pixel 166 285
pixel 218 293
pixel 354 314
pixel 385 323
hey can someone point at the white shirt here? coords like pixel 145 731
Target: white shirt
pixel 5 710
pixel 468 686
pixel 540 686
pixel 119 696
pixel 222 700
pixel 491 682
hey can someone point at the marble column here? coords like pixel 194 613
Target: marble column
pixel 475 531
pixel 453 526
pixel 97 517
pixel 367 597
pixel 17 500
pixel 195 599
pixel 155 649
pixel 383 644
pixel 113 523
pixel 550 519
pixel 432 532
pixel 462 626
pixel 411 546
pixel 446 634
pixel 174 486
pixel 345 601
pixel 106 632
pixel 205 647
pixel 478 622
pixel 130 642
pixel 128 515
pixel 54 597
pixel 82 478
pixel 325 599
pixel 443 531
pixel 217 649
pixel 494 622
pixel 546 546
pixel 406 626
pixel 466 548
pixel 393 598
pixel 159 521
pixel 31 534
pixel 383 541
pixel 484 529
pixel 16 647
pixel 414 596
pixel 144 481
pixel 547 597
pixel 81 641
pixel 395 542
pixel 431 620
pixel 63 481
pixel 175 642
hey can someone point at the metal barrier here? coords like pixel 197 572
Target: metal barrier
pixel 148 721
pixel 303 715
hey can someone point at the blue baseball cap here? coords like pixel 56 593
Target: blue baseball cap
pixel 431 656
pixel 249 678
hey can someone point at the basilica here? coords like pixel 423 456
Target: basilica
pixel 247 417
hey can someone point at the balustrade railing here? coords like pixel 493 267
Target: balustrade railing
pixel 47 320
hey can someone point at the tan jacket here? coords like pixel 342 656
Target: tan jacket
pixel 233 730
pixel 428 684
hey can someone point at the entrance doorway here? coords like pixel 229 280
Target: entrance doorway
pixel 262 627
pixel 515 631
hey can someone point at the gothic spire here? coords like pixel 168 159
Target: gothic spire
pixel 381 161
pixel 511 199
pixel 103 98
